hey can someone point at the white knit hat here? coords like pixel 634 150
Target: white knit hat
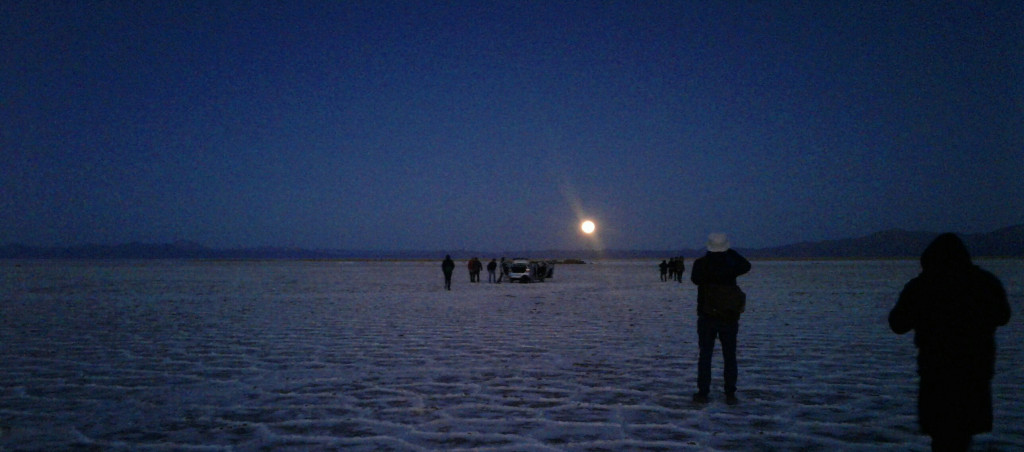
pixel 717 242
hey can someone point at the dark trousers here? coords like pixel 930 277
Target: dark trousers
pixel 448 281
pixel 708 329
pixel 955 442
pixel 952 407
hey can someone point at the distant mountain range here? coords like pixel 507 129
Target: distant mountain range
pixel 895 243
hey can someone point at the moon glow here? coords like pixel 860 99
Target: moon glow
pixel 588 227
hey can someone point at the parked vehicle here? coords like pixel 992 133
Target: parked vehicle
pixel 527 271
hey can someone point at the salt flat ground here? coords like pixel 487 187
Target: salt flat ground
pixel 186 355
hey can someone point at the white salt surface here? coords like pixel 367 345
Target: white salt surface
pixel 170 355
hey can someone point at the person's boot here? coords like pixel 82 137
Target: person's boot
pixel 730 399
pixel 700 397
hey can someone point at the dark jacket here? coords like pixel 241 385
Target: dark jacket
pixel 717 268
pixel 448 265
pixel 954 308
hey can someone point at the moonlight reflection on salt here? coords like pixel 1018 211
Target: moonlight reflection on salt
pixel 377 356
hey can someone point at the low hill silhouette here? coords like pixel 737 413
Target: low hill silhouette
pixel 898 243
pixel 894 243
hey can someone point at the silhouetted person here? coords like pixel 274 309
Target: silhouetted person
pixel 663 269
pixel 678 268
pixel 475 266
pixel 954 307
pixel 490 271
pixel 719 266
pixel 503 268
pixel 448 266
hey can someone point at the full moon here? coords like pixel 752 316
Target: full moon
pixel 587 227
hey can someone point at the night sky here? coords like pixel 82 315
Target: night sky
pixel 502 125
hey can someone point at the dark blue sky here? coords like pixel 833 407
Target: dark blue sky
pixel 493 126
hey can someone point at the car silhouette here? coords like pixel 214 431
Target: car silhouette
pixel 527 271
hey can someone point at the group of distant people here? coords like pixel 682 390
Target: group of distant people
pixel 672 269
pixel 475 267
pixel 953 306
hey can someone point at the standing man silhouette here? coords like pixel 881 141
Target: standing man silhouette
pixel 719 266
pixel 448 266
pixel 490 271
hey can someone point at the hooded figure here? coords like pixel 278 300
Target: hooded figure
pixel 954 308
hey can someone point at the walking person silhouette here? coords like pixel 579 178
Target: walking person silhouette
pixel 447 267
